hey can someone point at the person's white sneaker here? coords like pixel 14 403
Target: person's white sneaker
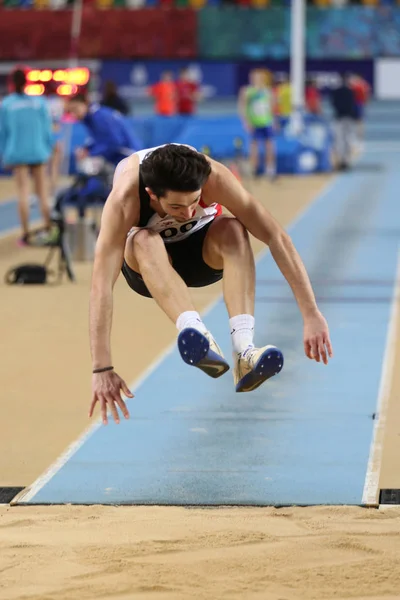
pixel 253 366
pixel 202 351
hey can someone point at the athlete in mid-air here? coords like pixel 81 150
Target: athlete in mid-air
pixel 163 226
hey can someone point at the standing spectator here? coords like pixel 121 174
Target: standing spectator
pixel 344 106
pixel 284 100
pixel 256 110
pixel 26 143
pixel 312 97
pixel 361 91
pixel 113 100
pixel 164 93
pixel 187 93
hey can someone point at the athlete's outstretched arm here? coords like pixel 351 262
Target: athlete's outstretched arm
pixel 259 222
pixel 120 213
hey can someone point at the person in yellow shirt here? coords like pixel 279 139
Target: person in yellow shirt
pixel 284 101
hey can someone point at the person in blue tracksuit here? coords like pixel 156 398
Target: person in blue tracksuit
pixel 26 143
pixel 110 136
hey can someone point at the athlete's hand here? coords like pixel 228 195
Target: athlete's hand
pixel 317 343
pixel 106 389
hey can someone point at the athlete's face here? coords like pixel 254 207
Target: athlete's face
pixel 180 205
pixel 257 78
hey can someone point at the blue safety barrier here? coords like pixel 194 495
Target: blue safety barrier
pixel 225 138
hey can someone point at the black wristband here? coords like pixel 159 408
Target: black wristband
pixel 102 370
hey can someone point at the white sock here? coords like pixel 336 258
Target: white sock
pixel 190 318
pixel 242 332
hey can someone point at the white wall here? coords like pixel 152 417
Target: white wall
pixel 387 78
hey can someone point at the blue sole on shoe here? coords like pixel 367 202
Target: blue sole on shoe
pixel 194 349
pixel 269 364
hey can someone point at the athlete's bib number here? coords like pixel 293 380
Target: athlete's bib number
pixel 172 232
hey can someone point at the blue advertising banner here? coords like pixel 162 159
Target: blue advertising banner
pixel 221 79
pixel 133 77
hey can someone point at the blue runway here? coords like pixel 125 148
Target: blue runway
pixel 302 438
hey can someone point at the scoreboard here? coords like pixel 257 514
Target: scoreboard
pixel 62 82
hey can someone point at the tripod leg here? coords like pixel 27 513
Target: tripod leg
pixel 49 257
pixel 64 256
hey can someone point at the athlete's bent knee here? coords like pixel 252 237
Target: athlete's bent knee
pixel 232 234
pixel 145 241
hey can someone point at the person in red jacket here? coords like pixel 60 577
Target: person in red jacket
pixel 312 97
pixel 361 91
pixel 187 93
pixel 164 93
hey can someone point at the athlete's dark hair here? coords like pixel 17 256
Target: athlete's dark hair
pixel 174 168
pixel 19 81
